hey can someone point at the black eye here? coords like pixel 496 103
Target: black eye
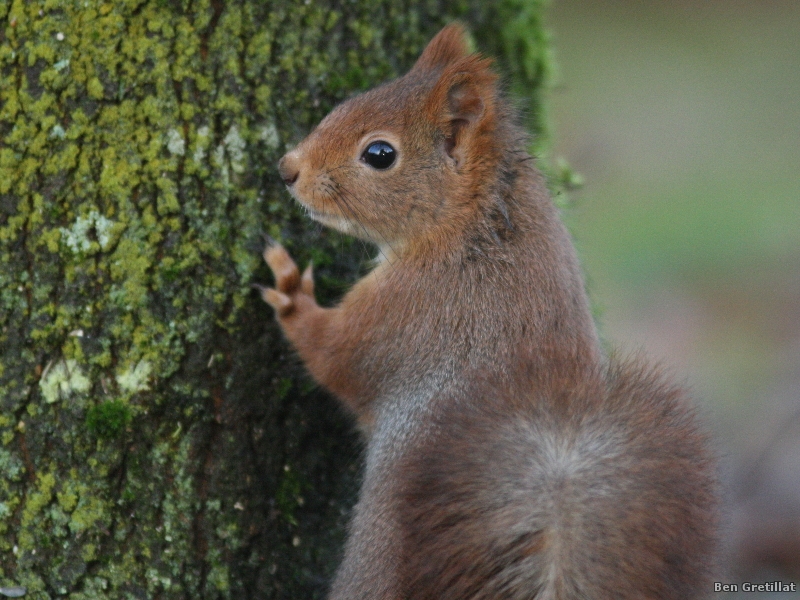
pixel 379 155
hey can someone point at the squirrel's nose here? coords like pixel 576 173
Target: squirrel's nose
pixel 288 169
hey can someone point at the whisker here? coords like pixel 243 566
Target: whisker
pixel 348 207
pixel 343 199
pixel 342 195
pixel 333 194
pixel 345 166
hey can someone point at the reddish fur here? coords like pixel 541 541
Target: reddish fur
pixel 476 323
pixel 634 517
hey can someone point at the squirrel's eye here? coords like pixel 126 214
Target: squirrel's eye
pixel 379 155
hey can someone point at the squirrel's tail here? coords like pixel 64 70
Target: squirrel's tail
pixel 603 490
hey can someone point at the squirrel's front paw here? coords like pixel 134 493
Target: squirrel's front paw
pixel 289 285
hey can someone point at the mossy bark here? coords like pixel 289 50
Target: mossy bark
pixel 157 437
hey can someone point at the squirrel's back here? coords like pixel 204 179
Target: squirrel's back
pixel 601 488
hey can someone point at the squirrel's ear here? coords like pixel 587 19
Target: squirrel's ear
pixel 449 45
pixel 461 100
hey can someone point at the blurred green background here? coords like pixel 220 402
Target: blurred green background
pixel 683 118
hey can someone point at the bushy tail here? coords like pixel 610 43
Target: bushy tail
pixel 603 490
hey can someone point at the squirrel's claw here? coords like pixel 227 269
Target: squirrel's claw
pixel 279 301
pixel 282 303
pixel 288 281
pixel 268 240
pixel 287 275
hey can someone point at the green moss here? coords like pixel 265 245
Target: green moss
pixel 109 419
pixel 139 140
pixel 38 499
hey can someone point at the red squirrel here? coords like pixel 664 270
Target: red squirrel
pixel 507 456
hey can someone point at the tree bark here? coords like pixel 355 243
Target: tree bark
pixel 158 438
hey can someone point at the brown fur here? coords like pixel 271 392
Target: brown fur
pixel 470 340
pixel 597 489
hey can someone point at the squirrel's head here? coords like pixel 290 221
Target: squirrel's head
pixel 407 158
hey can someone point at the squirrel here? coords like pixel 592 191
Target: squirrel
pixel 507 456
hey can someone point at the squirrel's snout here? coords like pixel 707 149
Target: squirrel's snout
pixel 288 169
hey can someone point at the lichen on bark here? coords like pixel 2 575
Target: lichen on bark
pixel 157 437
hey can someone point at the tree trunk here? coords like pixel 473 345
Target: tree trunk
pixel 158 438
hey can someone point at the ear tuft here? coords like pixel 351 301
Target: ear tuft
pixel 464 90
pixel 463 101
pixel 448 46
